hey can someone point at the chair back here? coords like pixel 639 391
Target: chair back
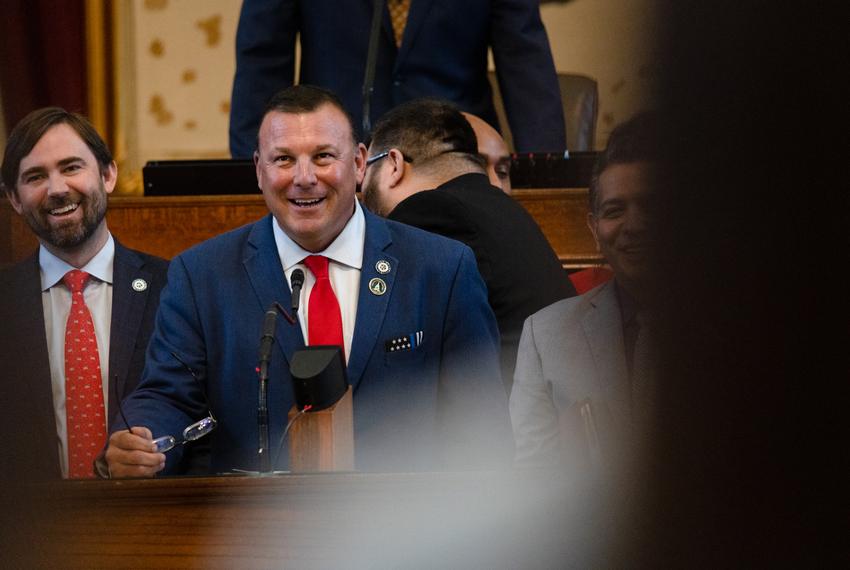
pixel 580 100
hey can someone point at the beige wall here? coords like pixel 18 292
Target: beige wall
pixel 609 40
pixel 174 73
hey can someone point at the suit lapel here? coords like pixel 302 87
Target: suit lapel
pixel 603 328
pixel 128 308
pixel 371 308
pixel 265 273
pixel 415 18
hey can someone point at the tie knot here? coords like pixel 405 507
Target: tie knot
pixel 76 280
pixel 318 265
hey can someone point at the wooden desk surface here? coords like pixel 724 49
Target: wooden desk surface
pixel 165 226
pixel 334 520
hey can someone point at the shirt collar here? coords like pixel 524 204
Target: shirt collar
pixel 99 266
pixel 346 249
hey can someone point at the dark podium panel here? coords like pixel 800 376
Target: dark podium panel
pixel 349 520
pixel 549 170
pixel 199 177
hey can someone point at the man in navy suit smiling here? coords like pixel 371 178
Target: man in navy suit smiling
pixel 437 403
pixel 57 174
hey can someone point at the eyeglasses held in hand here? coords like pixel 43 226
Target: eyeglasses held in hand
pixel 192 432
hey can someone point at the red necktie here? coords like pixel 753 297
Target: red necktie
pixel 324 321
pixel 85 417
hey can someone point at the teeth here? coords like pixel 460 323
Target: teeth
pixel 64 209
pixel 307 202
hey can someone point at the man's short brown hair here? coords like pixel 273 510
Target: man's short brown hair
pixel 306 99
pixel 31 128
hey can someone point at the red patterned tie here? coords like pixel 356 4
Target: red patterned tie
pixel 324 324
pixel 86 420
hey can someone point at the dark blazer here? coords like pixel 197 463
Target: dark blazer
pixel 443 54
pixel 522 272
pixel 439 404
pixel 29 442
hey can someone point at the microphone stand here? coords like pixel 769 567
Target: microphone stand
pixel 371 63
pixel 266 342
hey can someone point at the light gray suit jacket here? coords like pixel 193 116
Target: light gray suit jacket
pixel 570 352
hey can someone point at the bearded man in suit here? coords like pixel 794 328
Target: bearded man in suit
pixel 427 171
pixel 57 173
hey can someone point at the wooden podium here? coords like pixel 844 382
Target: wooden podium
pixel 323 440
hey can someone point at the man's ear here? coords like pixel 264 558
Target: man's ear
pixel 12 195
pixel 110 177
pixel 591 223
pixel 360 154
pixel 257 167
pixel 396 164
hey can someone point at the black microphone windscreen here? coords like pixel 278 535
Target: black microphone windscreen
pixel 269 322
pixel 296 281
pixel 318 376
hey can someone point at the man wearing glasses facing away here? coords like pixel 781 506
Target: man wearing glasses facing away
pixel 408 308
pixel 428 173
pixel 78 313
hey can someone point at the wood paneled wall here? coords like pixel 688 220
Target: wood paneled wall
pixel 165 226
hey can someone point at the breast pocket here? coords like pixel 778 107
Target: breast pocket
pixel 404 350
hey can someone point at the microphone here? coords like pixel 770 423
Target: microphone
pixel 296 281
pixel 266 342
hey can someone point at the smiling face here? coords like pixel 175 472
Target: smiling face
pixel 308 168
pixel 61 192
pixel 619 221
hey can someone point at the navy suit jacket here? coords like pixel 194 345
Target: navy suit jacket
pixel 437 405
pixel 443 54
pixel 29 441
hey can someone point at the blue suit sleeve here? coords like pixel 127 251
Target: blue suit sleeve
pixel 527 77
pixel 168 399
pixel 473 403
pixel 265 64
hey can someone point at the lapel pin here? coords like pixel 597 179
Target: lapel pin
pixel 139 285
pixel 383 267
pixel 377 286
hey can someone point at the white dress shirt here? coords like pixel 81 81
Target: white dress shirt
pixel 345 255
pixel 56 302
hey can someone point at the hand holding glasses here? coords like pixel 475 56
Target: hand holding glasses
pixel 192 432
